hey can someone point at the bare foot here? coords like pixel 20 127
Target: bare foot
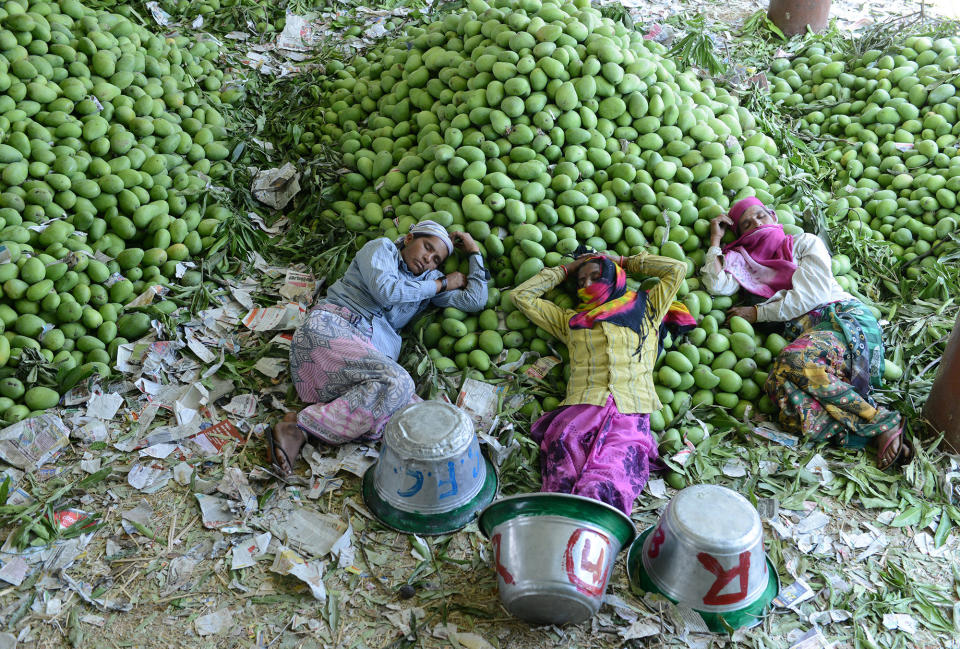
pixel 891 450
pixel 288 439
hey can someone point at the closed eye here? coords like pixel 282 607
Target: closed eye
pixel 436 257
pixel 430 248
pixel 594 276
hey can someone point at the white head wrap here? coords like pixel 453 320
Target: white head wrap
pixel 433 229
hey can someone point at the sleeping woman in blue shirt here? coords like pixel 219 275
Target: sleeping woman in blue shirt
pixel 343 357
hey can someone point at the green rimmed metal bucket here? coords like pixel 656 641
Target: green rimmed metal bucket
pixel 554 553
pixel 718 622
pixel 429 524
pixel 431 477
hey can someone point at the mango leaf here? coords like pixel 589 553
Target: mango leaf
pixel 954 513
pixel 910 516
pixel 67 379
pixel 94 478
pixel 848 492
pixel 332 612
pixel 709 472
pixel 877 503
pixel 34 368
pixel 930 514
pixel 943 529
pixel 422 367
pixel 794 502
pixel 932 618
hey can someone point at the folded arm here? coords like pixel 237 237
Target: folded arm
pixel 381 273
pixel 473 297
pixel 716 280
pixel 543 313
pixel 813 284
pixel 670 271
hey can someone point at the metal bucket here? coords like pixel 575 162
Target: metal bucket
pixel 942 408
pixel 554 553
pixel 793 16
pixel 706 551
pixel 431 477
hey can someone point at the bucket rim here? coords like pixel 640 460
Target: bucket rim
pixel 579 508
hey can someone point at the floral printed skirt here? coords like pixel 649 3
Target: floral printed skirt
pixel 810 383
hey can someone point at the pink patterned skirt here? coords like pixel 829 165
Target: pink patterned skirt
pixel 353 388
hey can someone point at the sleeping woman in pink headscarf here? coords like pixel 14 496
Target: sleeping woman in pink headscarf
pixel 822 380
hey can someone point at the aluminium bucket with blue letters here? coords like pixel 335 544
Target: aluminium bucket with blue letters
pixel 431 477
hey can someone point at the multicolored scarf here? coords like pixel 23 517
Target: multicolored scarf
pixel 678 319
pixel 608 300
pixel 676 322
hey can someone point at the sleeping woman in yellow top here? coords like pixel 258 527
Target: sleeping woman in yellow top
pixel 598 442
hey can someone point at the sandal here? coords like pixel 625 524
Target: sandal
pixel 904 453
pixel 272 448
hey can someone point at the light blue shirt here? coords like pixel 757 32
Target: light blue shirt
pixel 379 287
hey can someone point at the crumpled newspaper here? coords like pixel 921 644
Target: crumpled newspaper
pixel 288 562
pixel 276 187
pixel 216 622
pixel 901 622
pixel 462 638
pixel 33 442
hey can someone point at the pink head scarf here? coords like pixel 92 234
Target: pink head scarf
pixel 762 260
pixel 738 208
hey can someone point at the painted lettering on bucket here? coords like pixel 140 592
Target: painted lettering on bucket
pixel 501 570
pixel 452 491
pixel 478 461
pixel 417 484
pixel 450 484
pixel 656 541
pixel 446 478
pixel 585 559
pixel 724 577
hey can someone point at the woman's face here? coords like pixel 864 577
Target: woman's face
pixel 753 217
pixel 421 254
pixel 588 274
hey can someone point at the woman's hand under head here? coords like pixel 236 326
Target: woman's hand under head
pixel 719 225
pixel 751 219
pixel 584 272
pixel 423 253
pixel 464 241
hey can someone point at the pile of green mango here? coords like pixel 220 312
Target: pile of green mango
pixel 109 137
pixel 890 125
pixel 537 126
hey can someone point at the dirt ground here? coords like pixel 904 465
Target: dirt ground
pixel 453 583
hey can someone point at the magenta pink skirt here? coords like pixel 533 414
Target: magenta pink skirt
pixel 597 452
